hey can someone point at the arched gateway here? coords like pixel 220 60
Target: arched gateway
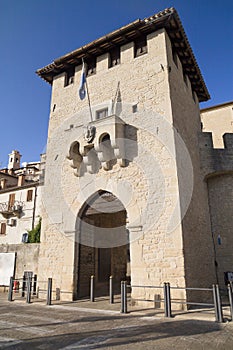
pixel 102 247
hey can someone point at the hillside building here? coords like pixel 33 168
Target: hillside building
pixel 20 212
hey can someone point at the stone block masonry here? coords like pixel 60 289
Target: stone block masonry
pixel 157 169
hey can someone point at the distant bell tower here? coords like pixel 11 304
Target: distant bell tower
pixel 14 160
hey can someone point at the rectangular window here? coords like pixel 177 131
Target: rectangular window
pixel 140 46
pixel 102 113
pixel 134 108
pixel 11 200
pixel 91 67
pixel 114 57
pixel 69 77
pixel 29 195
pixel 24 237
pixel 3 228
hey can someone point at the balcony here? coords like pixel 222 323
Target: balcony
pixel 8 210
pixel 102 145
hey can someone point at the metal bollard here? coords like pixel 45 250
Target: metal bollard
pixel 92 289
pixel 124 297
pixel 169 312
pixel 49 292
pixel 215 303
pixel 165 299
pixel 111 293
pixel 220 315
pixel 34 284
pixel 10 292
pixel 29 284
pixel 23 286
pixel 230 300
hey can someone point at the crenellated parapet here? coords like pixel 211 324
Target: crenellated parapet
pixel 215 160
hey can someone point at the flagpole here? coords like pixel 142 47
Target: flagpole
pixel 88 97
pixel 89 103
pixel 115 97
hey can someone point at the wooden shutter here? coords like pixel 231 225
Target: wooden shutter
pixel 29 195
pixel 11 200
pixel 3 228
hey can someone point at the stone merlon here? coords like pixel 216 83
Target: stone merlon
pixel 216 160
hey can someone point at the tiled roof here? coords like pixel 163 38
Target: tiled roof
pixel 3 175
pixel 168 19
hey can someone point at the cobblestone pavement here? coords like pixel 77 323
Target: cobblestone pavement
pixel 71 326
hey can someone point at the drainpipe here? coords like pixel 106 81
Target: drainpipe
pixel 212 234
pixel 34 209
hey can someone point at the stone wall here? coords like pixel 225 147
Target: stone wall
pixel 161 183
pixel 221 203
pixel 147 185
pixel 196 230
pixel 26 257
pixel 215 160
pixel 217 170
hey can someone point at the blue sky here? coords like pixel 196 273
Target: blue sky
pixel 35 32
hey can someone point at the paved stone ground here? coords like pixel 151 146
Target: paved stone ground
pixel 85 325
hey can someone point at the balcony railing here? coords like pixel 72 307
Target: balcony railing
pixel 11 209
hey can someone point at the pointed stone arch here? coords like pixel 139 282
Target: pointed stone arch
pixel 101 247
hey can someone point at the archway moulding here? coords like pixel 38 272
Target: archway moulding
pixel 133 211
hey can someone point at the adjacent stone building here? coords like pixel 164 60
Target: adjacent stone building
pixel 216 150
pixel 133 186
pixel 218 120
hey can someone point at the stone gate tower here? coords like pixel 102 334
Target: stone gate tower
pixel 124 191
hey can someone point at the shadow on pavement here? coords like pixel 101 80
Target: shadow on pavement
pixel 120 336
